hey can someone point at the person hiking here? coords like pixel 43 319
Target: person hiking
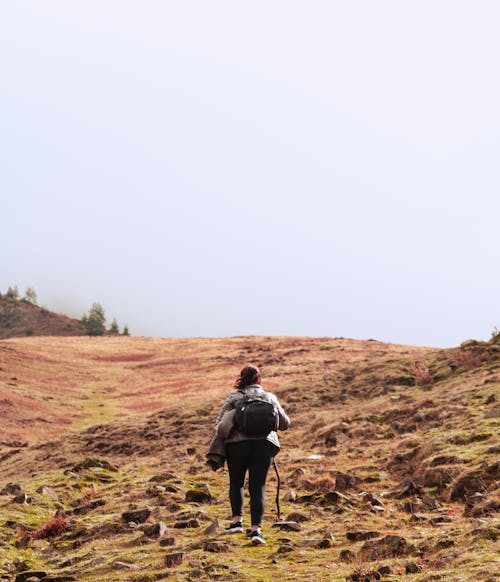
pixel 254 454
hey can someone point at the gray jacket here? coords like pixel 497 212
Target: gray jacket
pixel 254 390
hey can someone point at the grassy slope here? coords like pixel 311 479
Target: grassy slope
pixel 141 403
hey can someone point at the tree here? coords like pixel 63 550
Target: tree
pixel 95 320
pixel 125 330
pixel 114 326
pixel 30 295
pixel 12 293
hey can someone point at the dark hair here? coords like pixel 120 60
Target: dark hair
pixel 248 376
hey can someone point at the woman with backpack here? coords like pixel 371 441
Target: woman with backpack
pixel 254 411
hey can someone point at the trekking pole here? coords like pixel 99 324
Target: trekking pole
pixel 278 509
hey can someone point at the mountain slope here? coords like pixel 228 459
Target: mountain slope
pixel 392 456
pixel 20 318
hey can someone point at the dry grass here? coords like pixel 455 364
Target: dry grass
pixel 141 403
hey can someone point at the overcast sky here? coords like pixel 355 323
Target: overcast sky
pixel 323 168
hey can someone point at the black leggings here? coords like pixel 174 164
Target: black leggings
pixel 256 457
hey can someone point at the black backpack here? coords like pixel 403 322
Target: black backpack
pixel 255 416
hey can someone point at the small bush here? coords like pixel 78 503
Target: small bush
pixel 421 372
pixel 470 358
pixel 51 529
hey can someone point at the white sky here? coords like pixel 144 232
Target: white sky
pixel 319 168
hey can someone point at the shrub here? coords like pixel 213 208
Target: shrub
pixel 421 372
pixel 471 358
pixel 51 529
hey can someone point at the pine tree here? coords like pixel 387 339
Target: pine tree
pixel 114 326
pixel 125 330
pixel 96 320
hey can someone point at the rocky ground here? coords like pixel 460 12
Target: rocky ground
pixel 390 470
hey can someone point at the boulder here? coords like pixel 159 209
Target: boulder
pixel 362 535
pixel 287 525
pixel 11 489
pixel 172 560
pixel 215 546
pixel 187 523
pixel 298 517
pixel 156 530
pixel 389 546
pixel 136 515
pixel 24 576
pixel 199 494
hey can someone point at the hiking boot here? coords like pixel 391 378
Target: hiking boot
pixel 257 538
pixel 234 528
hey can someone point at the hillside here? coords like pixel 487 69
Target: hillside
pixel 390 469
pixel 20 318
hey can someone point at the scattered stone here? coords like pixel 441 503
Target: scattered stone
pixel 212 529
pixel 156 530
pixel 347 556
pixel 440 519
pixel 406 488
pixel 298 517
pixel 11 489
pixel 172 560
pixel 191 451
pixel 288 525
pixel 24 576
pixel 412 568
pixel 170 541
pixel 285 548
pixel 290 496
pixel 83 509
pixel 491 398
pixel 344 481
pixel 384 570
pixel 44 490
pixel 136 515
pixel 467 484
pixel 199 494
pixel 22 498
pixel 94 463
pixel 417 518
pixel 62 578
pixel 187 523
pixel 361 535
pixel 215 546
pixel 120 565
pixel 389 546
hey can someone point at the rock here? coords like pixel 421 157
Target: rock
pixel 215 546
pixel 24 576
pixel 384 570
pixel 491 399
pixel 362 535
pixel 172 560
pixel 187 523
pixel 212 529
pixel 344 481
pixel 287 525
pixel 412 568
pixel 83 509
pixel 199 494
pixel 406 488
pixel 136 515
pixel 418 518
pixel 298 517
pixel 62 578
pixel 285 548
pixel 440 519
pixel 156 530
pixel 170 541
pixel 389 546
pixel 95 463
pixel 347 556
pixel 120 565
pixel 290 496
pixel 22 498
pixel 467 484
pixel 11 489
pixel 43 490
